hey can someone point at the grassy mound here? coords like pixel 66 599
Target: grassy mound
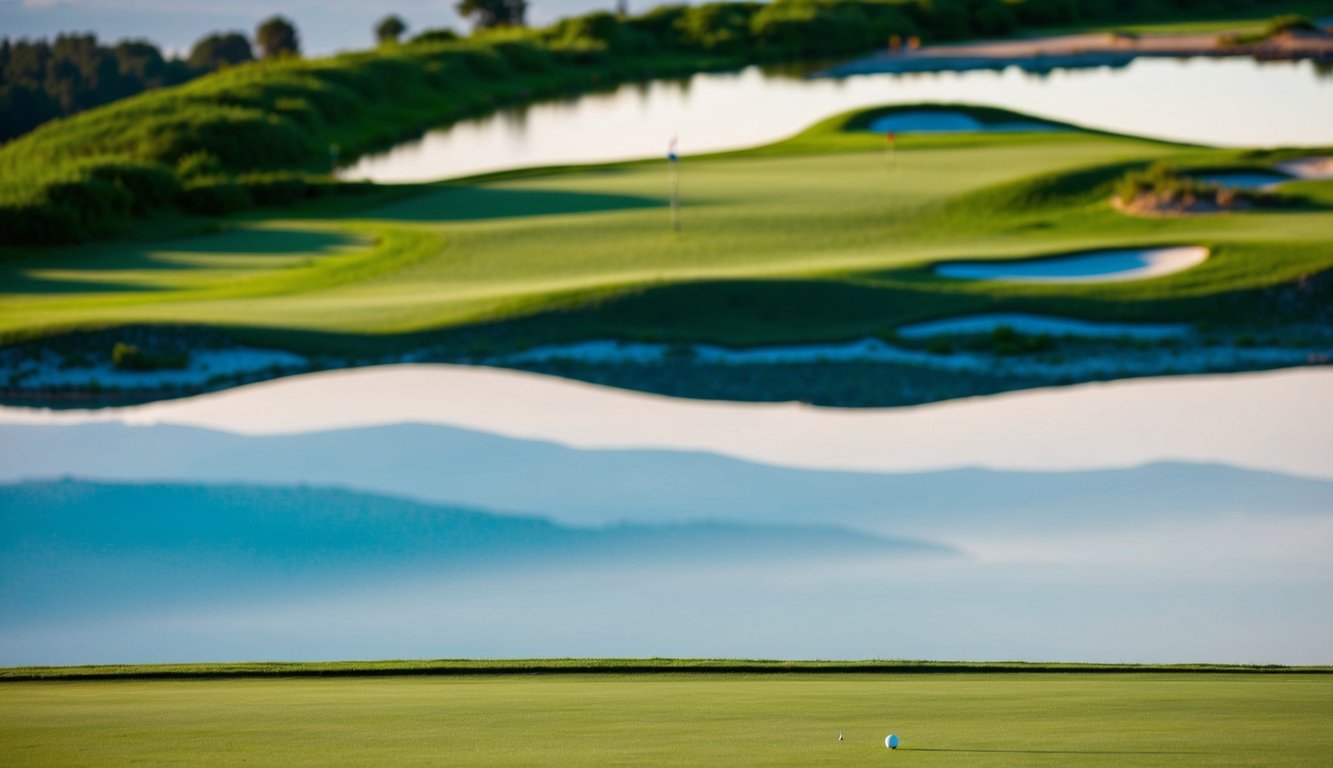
pixel 818 238
pixel 267 133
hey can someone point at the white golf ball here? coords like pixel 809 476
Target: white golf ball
pixel 891 741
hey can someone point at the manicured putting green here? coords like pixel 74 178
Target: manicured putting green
pixel 1017 719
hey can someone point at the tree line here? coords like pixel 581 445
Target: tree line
pixel 41 80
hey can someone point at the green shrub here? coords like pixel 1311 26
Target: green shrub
pixel 663 25
pixel 277 189
pixel 949 20
pixel 1291 22
pixel 435 36
pixel 101 207
pixel 580 52
pixel 215 196
pixel 1040 12
pixel 198 164
pixel 718 27
pixel 603 28
pixel 1004 340
pixel 994 19
pixel 802 27
pixel 525 55
pixel 150 186
pixel 126 356
pixel 40 224
pixel 129 357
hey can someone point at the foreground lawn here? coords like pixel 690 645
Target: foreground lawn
pixel 1014 719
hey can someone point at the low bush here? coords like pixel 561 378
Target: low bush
pixel 215 196
pixel 129 357
pixel 1164 187
pixel 1006 341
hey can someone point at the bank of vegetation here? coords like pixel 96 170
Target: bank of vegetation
pixel 267 133
pixel 463 667
pixel 42 80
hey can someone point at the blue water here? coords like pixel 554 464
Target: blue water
pixel 1232 102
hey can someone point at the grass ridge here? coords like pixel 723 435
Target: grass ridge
pixel 468 667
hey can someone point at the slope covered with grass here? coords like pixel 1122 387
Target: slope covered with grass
pixel 817 238
pixel 266 134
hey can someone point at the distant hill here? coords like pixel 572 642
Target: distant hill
pixel 95 548
pixel 583 487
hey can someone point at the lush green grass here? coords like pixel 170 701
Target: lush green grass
pixel 1209 719
pixel 263 134
pixel 817 238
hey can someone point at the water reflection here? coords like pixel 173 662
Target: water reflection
pixel 704 590
pixel 1211 418
pixel 1236 102
pixel 441 528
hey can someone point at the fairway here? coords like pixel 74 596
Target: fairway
pixel 1014 719
pixel 819 238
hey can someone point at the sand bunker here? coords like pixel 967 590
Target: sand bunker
pixel 1034 325
pixel 1095 267
pixel 942 121
pixel 1309 167
pixel 1243 179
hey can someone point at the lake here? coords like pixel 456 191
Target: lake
pixel 442 511
pixel 1228 102
pixel 429 511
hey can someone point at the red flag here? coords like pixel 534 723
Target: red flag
pixel 889 137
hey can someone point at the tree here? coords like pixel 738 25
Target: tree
pixel 277 37
pixel 141 61
pixel 442 35
pixel 220 50
pixel 390 29
pixel 493 13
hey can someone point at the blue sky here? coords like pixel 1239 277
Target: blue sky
pixel 174 25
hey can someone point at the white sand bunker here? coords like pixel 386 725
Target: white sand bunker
pixel 941 121
pixel 1243 179
pixel 1095 267
pixel 1309 167
pixel 972 325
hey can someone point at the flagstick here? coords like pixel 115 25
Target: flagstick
pixel 673 173
pixel 675 196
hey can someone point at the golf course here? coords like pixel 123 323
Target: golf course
pixel 787 383
pixel 830 236
pixel 1155 717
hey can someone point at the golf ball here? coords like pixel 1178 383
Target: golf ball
pixel 891 741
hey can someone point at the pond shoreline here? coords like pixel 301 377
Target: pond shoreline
pixel 1082 51
pixel 866 373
